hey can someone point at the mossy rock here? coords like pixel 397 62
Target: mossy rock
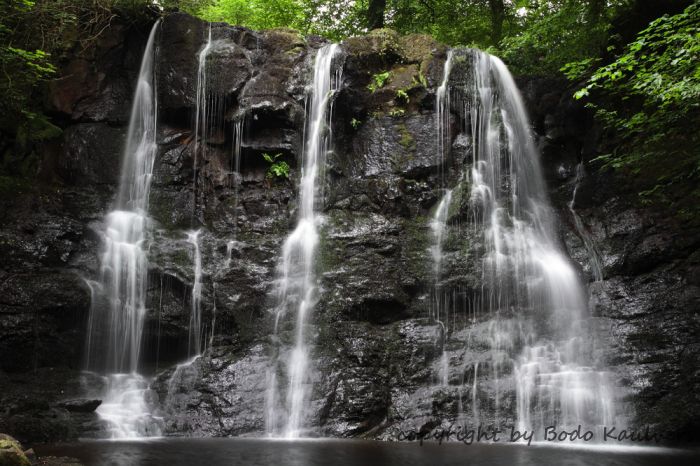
pixel 422 50
pixel 11 453
pixel 404 78
pixel 407 141
pixel 380 42
pixel 416 243
pixel 416 48
pixel 284 39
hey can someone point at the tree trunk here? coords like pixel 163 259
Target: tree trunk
pixel 375 14
pixel 498 12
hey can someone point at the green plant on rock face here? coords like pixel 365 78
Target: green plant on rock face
pixel 647 101
pixel 277 168
pixel 422 79
pixel 397 112
pixel 355 123
pixel 378 81
pixel 403 95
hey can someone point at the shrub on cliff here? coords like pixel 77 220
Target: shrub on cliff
pixel 648 99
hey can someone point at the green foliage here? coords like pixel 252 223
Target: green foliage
pixel 277 168
pixel 652 91
pixel 649 100
pixel 398 112
pixel 355 123
pixel 21 68
pixel 378 81
pixel 455 23
pixel 257 14
pixel 403 95
pixel 33 35
pixel 558 32
pixel 422 81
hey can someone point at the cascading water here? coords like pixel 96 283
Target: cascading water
pixel 530 290
pixel 194 345
pixel 593 253
pixel 442 111
pixel 523 264
pixel 236 178
pixel 438 223
pixel 124 270
pixel 440 302
pixel 202 118
pixel 297 282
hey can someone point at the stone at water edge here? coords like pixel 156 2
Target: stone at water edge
pixel 80 405
pixel 59 461
pixel 11 453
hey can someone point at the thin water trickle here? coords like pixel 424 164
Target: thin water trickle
pixel 194 346
pixel 202 123
pixel 595 261
pixel 297 289
pixel 440 309
pixel 124 270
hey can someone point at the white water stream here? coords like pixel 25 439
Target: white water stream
pixel 297 288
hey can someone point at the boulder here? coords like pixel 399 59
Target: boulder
pixel 11 452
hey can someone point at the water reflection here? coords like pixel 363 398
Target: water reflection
pixel 254 452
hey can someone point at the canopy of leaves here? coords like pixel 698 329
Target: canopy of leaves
pixel 553 33
pixel 256 14
pixel 649 99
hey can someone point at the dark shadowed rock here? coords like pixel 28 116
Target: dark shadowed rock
pixel 182 38
pixel 80 405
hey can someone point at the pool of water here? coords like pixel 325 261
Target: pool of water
pixel 258 452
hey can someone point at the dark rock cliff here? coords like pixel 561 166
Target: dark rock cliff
pixel 375 353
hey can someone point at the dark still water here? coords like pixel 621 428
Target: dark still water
pixel 255 452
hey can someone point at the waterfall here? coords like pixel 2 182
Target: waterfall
pixel 236 178
pixel 593 253
pixel 194 345
pixel 530 291
pixel 297 282
pixel 524 267
pixel 201 118
pixel 124 270
pixel 209 112
pixel 439 313
pixel 442 113
pixel 438 223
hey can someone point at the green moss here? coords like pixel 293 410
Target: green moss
pixel 330 252
pixel 416 243
pixel 11 453
pixel 421 49
pixel 287 39
pixel 380 42
pixel 406 141
pixel 385 39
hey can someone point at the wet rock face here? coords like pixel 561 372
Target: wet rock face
pixel 49 240
pixel 648 300
pixel 376 353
